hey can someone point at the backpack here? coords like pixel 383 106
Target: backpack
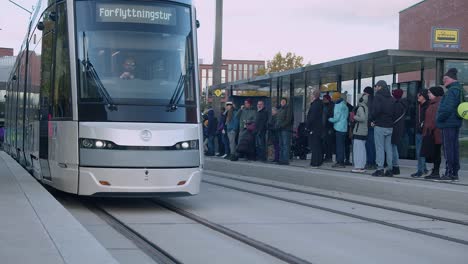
pixel 462 108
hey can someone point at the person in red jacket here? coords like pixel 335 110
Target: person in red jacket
pixel 435 95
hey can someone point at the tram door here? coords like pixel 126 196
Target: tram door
pixel 407 147
pixel 47 69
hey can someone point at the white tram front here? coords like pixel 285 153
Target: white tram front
pixel 103 99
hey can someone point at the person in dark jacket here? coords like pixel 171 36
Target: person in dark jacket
pixel 314 126
pixel 328 134
pixel 423 103
pixel 261 124
pixel 370 141
pixel 450 123
pixel 399 112
pixel 382 120
pixel 285 122
pixel 435 95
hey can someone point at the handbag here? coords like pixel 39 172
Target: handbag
pixel 428 147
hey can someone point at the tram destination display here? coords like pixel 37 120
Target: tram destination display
pixel 122 13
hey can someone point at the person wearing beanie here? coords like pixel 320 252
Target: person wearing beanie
pixel 423 103
pixel 336 96
pixel 382 120
pixel 328 143
pixel 436 91
pixel 431 148
pixel 447 119
pixel 370 141
pixel 400 109
pixel 340 124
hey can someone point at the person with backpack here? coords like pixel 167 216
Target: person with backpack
pixel 431 134
pixel 360 130
pixel 450 123
pixel 400 107
pixel 232 127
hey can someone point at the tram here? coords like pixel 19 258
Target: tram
pixel 103 99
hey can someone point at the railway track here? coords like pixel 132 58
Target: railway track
pixel 339 212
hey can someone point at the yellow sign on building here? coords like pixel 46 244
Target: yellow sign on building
pixel 445 38
pixel 218 92
pixel 445 35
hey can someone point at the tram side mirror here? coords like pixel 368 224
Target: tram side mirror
pixel 53 16
pixel 40 26
pixel 13 78
pixel 197 23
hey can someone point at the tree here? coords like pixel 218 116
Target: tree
pixel 280 63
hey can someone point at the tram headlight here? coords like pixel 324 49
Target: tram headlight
pixel 87 143
pixel 187 145
pixel 100 144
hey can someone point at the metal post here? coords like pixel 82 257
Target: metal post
pixel 354 92
pixel 218 52
pixel 359 82
pixel 338 84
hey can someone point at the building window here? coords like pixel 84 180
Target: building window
pixel 235 67
pixel 203 73
pixel 230 67
pixel 223 76
pixel 251 70
pixel 229 75
pixel 210 77
pixel 246 71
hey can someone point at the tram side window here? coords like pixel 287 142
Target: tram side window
pixel 46 61
pixel 62 102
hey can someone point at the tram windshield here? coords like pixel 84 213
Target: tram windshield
pixel 135 53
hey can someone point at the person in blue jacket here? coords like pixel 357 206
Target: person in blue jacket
pixel 450 123
pixel 340 124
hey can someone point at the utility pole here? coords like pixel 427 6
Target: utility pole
pixel 218 53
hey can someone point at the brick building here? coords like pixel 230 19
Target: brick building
pixel 231 70
pixel 416 32
pixel 6 52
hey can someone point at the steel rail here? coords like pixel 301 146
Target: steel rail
pixel 414 230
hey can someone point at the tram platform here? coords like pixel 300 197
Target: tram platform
pixel 402 188
pixel 35 228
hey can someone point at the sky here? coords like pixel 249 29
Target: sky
pixel 318 30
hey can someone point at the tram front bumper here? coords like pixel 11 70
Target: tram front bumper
pixel 139 181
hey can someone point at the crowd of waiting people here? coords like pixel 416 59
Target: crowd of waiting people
pixel 374 128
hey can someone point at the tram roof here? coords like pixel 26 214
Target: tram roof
pixel 378 63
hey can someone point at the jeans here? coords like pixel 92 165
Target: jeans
pixel 421 160
pixel 232 141
pixel 383 145
pixel 340 146
pixel 260 141
pixel 227 149
pixel 396 156
pixel 370 147
pixel 211 145
pixel 451 151
pixel 284 142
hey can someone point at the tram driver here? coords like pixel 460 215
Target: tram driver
pixel 129 66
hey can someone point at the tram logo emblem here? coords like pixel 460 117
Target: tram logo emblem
pixel 146 135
